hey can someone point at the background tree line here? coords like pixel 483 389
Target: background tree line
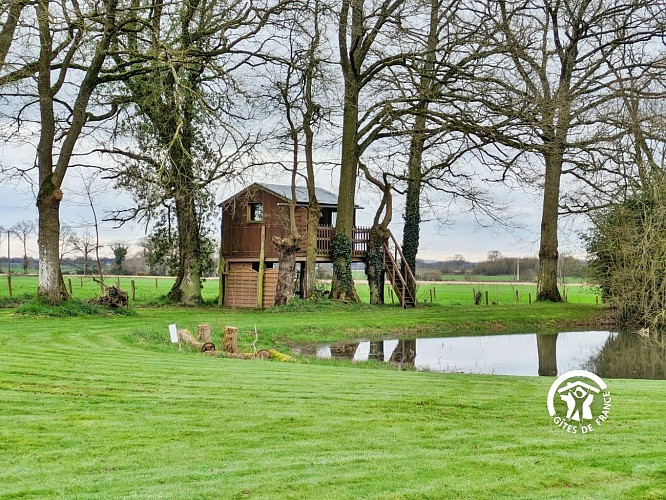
pixel 421 99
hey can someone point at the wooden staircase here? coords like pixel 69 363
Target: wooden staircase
pixel 398 272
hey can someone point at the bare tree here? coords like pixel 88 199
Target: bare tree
pixel 23 229
pixel 374 261
pixel 62 55
pixel 364 39
pixel 66 240
pixel 10 12
pixel 439 156
pixel 294 90
pixel 85 244
pixel 184 116
pixel 550 91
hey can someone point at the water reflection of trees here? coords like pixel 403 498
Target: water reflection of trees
pixel 626 355
pixel 546 347
pixel 404 353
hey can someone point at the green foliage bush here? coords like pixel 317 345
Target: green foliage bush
pixel 627 247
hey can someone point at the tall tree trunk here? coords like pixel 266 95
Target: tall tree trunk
pixel 548 253
pixel 187 288
pixel 374 263
pixel 287 247
pixel 342 287
pixel 309 118
pixel 9 27
pixel 51 283
pixel 412 228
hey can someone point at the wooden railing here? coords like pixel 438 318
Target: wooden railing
pixel 399 273
pixel 360 240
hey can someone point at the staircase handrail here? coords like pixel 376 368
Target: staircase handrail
pixel 396 273
pixel 409 273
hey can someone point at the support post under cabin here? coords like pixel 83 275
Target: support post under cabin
pixel 262 268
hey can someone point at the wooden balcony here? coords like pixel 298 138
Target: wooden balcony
pixel 360 240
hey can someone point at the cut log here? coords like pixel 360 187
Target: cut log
pixel 230 339
pixel 185 336
pixel 204 333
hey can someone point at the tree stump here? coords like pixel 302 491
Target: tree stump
pixel 204 333
pixel 230 339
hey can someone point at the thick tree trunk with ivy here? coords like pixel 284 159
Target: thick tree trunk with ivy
pixel 187 287
pixel 374 263
pixel 412 228
pixel 342 287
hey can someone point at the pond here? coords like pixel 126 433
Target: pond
pixel 608 354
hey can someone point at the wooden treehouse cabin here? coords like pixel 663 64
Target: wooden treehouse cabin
pixel 253 216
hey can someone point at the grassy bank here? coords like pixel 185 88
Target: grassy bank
pixel 89 412
pixel 328 320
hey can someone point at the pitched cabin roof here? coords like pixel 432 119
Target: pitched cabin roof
pixel 324 197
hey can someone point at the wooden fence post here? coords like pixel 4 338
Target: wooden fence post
pixel 486 297
pixel 69 284
pixel 133 287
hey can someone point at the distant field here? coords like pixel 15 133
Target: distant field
pixel 150 290
pixel 147 289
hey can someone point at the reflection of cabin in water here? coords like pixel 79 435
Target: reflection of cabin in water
pixel 250 220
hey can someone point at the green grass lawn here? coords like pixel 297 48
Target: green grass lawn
pixel 105 407
pixel 91 410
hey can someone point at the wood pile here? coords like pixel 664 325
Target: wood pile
pixel 229 339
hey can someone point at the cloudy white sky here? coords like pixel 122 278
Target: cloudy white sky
pixel 460 233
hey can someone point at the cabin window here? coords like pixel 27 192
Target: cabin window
pixel 256 212
pixel 328 217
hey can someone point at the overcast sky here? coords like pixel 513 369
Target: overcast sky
pixel 460 233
